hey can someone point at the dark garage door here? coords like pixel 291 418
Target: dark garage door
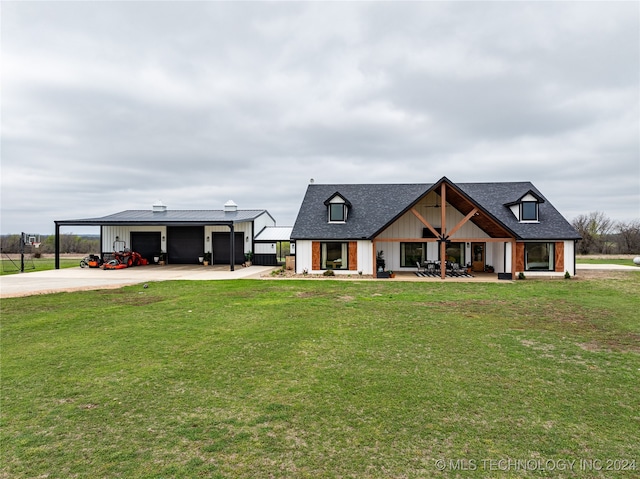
pixel 221 248
pixel 147 243
pixel 185 244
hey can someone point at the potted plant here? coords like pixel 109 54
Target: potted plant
pixel 248 256
pixel 391 274
pixel 380 263
pixel 206 259
pixel 161 258
pixel 489 269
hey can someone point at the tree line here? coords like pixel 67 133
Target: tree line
pixel 601 235
pixel 69 243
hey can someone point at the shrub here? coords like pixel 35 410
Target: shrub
pixel 521 276
pixel 328 272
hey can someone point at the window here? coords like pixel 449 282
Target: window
pixel 529 211
pixel 337 212
pixel 412 253
pixel 337 208
pixel 454 252
pixel 334 255
pixel 539 257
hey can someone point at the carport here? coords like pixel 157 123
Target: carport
pixel 178 236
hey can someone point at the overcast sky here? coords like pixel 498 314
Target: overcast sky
pixel 108 106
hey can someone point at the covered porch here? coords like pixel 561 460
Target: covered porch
pixel 445 229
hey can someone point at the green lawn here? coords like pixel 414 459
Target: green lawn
pixel 324 379
pixel 36 264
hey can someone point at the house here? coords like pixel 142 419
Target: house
pixel 182 236
pixel 509 226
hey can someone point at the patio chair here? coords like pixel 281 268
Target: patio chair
pixel 455 269
pixel 421 271
pixel 431 269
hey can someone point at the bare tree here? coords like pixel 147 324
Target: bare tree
pixel 595 229
pixel 628 238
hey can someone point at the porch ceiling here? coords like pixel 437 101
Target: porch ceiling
pixel 481 219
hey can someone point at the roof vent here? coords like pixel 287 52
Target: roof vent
pixel 230 207
pixel 158 207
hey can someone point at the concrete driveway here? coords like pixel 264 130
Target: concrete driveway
pixel 78 279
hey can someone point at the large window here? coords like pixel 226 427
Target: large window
pixel 539 257
pixel 455 253
pixel 334 255
pixel 412 253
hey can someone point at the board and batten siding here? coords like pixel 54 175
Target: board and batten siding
pixel 109 234
pixel 409 226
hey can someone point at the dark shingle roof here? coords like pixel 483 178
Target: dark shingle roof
pixel 375 206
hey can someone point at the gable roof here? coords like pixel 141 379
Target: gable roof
pixel 372 206
pixel 376 206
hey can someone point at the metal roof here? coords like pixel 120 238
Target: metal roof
pixel 274 233
pixel 170 217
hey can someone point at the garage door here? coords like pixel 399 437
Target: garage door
pixel 221 248
pixel 185 244
pixel 147 243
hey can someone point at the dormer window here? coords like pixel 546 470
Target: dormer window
pixel 337 208
pixel 526 208
pixel 529 211
pixel 337 212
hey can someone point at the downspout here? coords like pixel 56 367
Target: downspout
pixel 575 246
pixel 232 254
pixel 57 246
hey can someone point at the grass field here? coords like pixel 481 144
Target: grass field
pixel 36 264
pixel 324 379
pixel 626 262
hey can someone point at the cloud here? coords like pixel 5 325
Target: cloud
pixel 109 106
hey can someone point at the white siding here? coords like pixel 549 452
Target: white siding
pixel 365 257
pixel 304 256
pixel 569 260
pixel 265 248
pixel 409 226
pixel 262 221
pixel 109 234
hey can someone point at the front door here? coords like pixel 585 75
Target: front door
pixel 477 255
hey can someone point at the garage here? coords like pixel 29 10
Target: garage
pixel 184 244
pixel 147 243
pixel 221 248
pixel 181 236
